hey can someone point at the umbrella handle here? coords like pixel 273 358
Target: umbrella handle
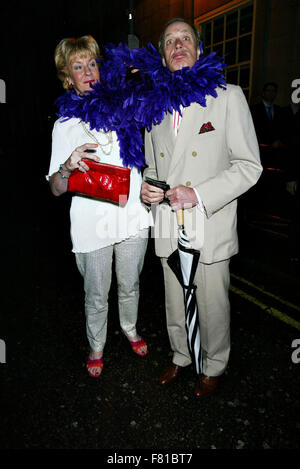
pixel 180 217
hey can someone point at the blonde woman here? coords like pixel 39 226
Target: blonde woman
pixel 99 230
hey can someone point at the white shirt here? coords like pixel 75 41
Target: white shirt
pixel 270 107
pixel 94 223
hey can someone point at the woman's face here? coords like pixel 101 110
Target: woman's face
pixel 83 70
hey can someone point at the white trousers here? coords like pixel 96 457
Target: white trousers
pixel 96 269
pixel 212 282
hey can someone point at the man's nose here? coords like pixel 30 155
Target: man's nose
pixel 178 43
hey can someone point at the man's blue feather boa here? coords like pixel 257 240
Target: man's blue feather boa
pixel 128 103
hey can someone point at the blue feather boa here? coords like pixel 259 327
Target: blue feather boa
pixel 127 103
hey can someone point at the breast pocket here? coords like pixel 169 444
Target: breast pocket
pixel 208 134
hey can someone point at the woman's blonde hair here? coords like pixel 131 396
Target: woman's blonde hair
pixel 70 47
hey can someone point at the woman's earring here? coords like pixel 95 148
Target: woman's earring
pixel 70 86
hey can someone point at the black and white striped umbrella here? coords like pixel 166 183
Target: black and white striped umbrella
pixel 184 262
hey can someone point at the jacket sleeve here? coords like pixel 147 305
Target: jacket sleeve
pixel 150 170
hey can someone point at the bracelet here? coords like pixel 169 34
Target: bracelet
pixel 59 171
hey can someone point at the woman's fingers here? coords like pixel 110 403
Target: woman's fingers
pixel 82 166
pixel 86 146
pixel 75 161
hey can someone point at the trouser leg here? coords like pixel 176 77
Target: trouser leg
pixel 129 260
pixel 95 267
pixel 212 282
pixel 175 316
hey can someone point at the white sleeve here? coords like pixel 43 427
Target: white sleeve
pixel 61 149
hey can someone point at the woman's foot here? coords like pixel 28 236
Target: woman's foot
pixel 138 345
pixel 95 364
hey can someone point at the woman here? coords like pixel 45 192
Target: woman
pixel 99 229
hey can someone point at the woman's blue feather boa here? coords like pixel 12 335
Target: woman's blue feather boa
pixel 127 103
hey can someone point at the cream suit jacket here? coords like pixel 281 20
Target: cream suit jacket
pixel 221 164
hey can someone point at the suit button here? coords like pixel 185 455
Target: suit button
pixel 194 153
pixel 188 183
pixel 162 154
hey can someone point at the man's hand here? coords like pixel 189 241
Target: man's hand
pixel 151 194
pixel 182 197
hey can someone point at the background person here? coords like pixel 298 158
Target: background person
pixel 268 123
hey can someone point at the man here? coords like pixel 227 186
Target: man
pixel 206 171
pixel 268 122
pixel 266 115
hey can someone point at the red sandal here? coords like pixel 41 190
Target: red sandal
pixel 137 345
pixel 97 363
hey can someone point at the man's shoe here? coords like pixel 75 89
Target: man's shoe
pixel 169 374
pixel 206 385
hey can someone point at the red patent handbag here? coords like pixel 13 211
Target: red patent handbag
pixel 102 181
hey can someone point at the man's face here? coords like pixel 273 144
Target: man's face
pixel 269 93
pixel 179 47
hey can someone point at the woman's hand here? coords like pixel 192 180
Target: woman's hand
pixel 75 160
pixel 59 180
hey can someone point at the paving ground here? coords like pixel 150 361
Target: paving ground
pixel 49 402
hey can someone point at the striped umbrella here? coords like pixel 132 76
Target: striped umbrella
pixel 184 262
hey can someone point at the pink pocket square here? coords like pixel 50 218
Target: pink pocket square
pixel 206 128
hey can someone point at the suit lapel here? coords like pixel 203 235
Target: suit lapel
pixel 166 129
pixel 192 118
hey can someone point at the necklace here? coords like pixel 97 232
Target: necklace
pixel 109 143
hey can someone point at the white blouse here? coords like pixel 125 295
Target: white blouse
pixel 95 223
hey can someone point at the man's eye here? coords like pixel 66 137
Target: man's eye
pixel 169 41
pixel 186 38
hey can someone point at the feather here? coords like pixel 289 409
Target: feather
pixel 127 102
